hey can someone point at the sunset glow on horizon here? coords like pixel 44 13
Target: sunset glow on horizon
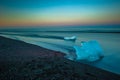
pixel 74 13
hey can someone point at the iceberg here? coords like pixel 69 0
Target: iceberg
pixel 90 51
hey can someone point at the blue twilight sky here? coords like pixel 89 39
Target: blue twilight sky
pixel 20 4
pixel 56 12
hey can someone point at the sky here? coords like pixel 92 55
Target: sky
pixel 58 12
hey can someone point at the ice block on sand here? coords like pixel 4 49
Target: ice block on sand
pixel 90 51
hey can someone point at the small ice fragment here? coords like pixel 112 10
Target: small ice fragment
pixel 73 38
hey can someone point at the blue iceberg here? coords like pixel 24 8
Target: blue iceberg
pixel 90 51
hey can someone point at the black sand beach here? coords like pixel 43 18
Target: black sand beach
pixel 23 61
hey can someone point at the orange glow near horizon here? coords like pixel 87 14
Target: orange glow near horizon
pixel 30 22
pixel 60 16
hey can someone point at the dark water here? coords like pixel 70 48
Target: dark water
pixel 77 28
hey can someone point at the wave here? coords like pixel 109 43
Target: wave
pixel 67 38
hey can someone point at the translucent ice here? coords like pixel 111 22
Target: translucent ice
pixel 90 51
pixel 73 38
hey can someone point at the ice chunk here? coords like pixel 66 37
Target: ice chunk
pixel 90 51
pixel 73 38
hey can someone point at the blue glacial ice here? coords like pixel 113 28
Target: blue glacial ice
pixel 73 38
pixel 90 51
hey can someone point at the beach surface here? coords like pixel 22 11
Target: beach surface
pixel 23 61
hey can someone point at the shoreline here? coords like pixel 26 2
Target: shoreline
pixel 28 56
